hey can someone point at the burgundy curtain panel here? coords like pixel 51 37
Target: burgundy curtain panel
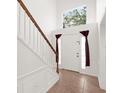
pixel 57 51
pixel 87 52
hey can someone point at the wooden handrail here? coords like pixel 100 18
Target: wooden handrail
pixel 35 23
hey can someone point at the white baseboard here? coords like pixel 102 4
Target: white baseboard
pixel 51 84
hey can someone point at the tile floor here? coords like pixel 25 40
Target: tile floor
pixel 73 82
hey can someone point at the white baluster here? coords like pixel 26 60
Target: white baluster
pixel 32 34
pixel 27 29
pixel 46 56
pixel 18 19
pixel 39 42
pixel 35 39
pixel 21 23
pixel 41 46
pixel 49 57
pixel 24 26
pixel 44 49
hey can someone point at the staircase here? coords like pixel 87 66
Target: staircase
pixel 36 55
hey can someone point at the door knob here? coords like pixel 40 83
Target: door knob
pixel 77 54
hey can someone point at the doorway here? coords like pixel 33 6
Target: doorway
pixel 71 52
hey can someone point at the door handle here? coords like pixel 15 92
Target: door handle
pixel 77 54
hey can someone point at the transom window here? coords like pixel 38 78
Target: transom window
pixel 74 17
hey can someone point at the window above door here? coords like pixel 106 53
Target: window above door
pixel 74 17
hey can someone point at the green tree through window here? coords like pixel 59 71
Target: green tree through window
pixel 74 17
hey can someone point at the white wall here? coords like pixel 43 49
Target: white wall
pixel 100 10
pixel 64 5
pixel 93 45
pixel 101 20
pixel 44 11
pixel 102 60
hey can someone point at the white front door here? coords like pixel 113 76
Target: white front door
pixel 70 52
